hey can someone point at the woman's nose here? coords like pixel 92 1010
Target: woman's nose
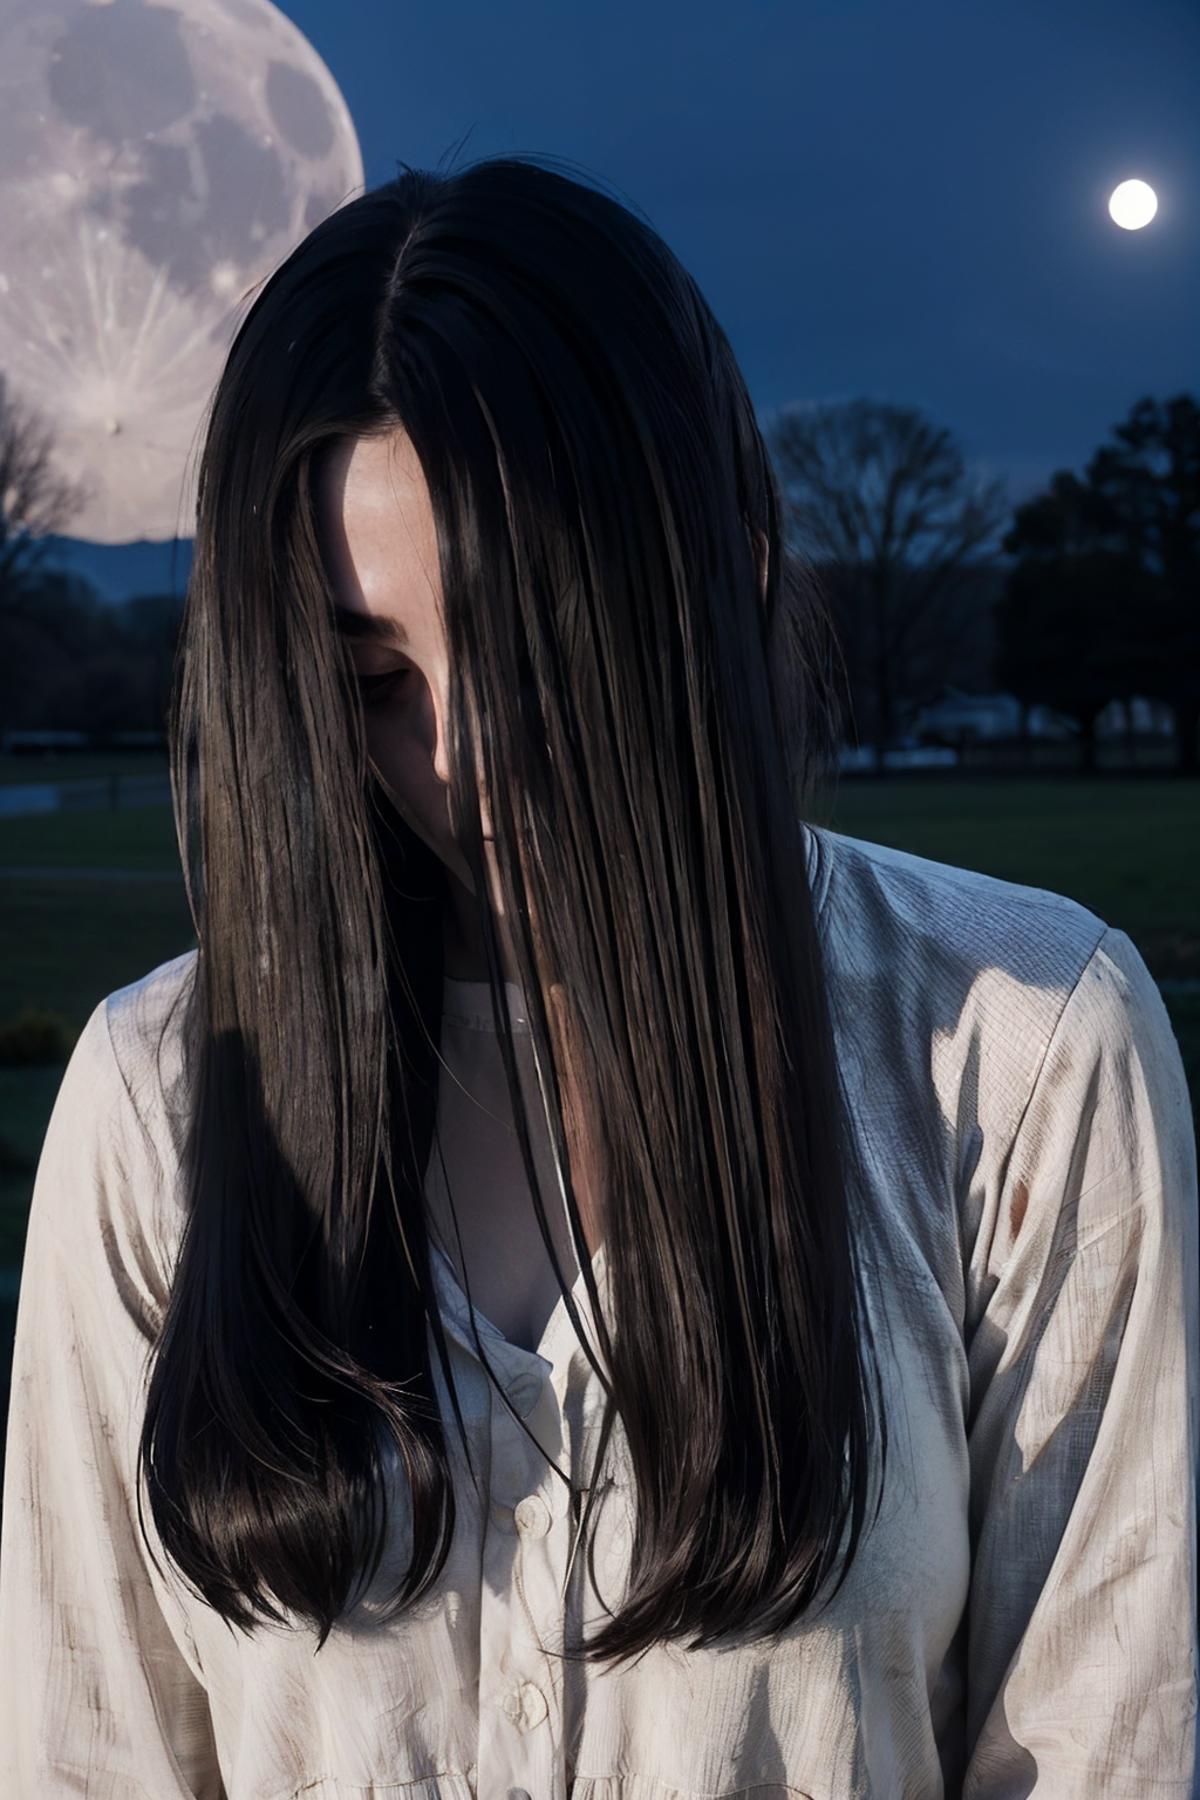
pixel 441 765
pixel 441 758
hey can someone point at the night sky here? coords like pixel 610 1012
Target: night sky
pixel 901 200
pixel 907 201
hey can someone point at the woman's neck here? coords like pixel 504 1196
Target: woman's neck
pixel 463 955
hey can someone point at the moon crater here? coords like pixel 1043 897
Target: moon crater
pixel 156 163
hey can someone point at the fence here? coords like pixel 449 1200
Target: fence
pixel 103 793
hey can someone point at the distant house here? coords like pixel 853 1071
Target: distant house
pixel 957 717
pixel 1151 718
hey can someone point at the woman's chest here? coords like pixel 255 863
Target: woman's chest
pixel 481 1207
pixel 508 1276
pixel 470 1691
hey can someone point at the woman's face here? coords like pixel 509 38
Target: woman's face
pixel 379 543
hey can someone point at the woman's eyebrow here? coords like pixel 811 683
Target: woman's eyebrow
pixel 372 628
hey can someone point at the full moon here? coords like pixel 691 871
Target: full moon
pixel 1132 204
pixel 158 159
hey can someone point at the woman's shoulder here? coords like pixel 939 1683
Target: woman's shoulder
pixel 947 984
pixel 106 1194
pixel 142 1022
pixel 892 911
pixel 146 1005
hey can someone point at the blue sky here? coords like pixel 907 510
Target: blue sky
pixel 901 200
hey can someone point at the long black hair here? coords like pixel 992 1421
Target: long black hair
pixel 646 679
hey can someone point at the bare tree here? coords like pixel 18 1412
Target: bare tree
pixel 35 500
pixel 881 501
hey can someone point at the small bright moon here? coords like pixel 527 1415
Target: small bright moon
pixel 1132 205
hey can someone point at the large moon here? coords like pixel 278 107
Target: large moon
pixel 1132 204
pixel 157 161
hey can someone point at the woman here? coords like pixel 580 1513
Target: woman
pixel 638 1296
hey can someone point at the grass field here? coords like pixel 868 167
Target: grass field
pixel 77 765
pixel 134 837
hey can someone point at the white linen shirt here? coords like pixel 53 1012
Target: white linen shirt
pixel 1021 1617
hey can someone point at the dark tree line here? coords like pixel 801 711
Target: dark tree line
pixel 72 661
pixel 1103 599
pixel 1090 592
pixel 68 660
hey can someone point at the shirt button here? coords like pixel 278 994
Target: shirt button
pixel 518 1794
pixel 532 1516
pixel 526 1706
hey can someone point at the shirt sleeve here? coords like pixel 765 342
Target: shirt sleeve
pixel 100 1687
pixel 1082 1432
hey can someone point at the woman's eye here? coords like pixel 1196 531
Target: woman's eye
pixel 376 689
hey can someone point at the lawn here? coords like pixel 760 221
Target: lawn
pixel 127 837
pixel 76 765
